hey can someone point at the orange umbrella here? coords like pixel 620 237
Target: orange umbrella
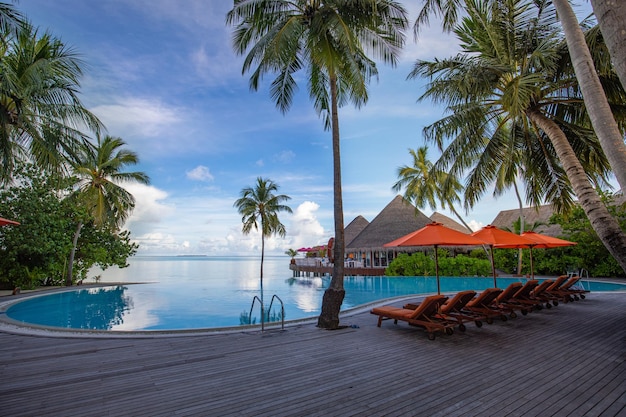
pixel 539 241
pixel 435 234
pixel 545 241
pixel 6 222
pixel 493 236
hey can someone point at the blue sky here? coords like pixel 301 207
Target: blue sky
pixel 162 75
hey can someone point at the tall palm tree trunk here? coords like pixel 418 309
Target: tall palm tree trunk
pixel 603 223
pixel 596 103
pixel 522 226
pixel 262 259
pixel 335 293
pixel 70 263
pixel 611 15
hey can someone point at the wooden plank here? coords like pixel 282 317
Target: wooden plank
pixel 564 361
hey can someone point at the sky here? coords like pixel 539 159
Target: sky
pixel 163 76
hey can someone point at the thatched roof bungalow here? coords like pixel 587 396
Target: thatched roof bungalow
pixel 450 223
pixel 506 218
pixel 355 227
pixel 397 219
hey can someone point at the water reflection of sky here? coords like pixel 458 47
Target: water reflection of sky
pixel 189 293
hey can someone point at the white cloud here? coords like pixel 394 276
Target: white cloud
pixel 150 208
pixel 137 116
pixel 284 157
pixel 475 225
pixel 305 229
pixel 200 173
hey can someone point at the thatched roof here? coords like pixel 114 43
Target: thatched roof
pixel 396 220
pixel 355 227
pixel 448 222
pixel 506 218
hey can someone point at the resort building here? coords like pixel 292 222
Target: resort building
pixel 366 255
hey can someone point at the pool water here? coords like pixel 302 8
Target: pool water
pixel 172 306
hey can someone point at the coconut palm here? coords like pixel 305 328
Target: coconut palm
pixel 611 16
pixel 100 170
pixel 330 40
pixel 605 126
pixel 602 120
pixel 10 19
pixel 424 184
pixel 40 112
pixel 261 205
pixel 511 74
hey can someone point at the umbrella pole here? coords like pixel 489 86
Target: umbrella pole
pixel 437 270
pixel 532 271
pixel 493 268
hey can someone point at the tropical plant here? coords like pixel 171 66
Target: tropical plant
pixel 292 253
pixel 100 170
pixel 424 184
pixel 597 104
pixel 36 252
pixel 40 111
pixel 611 16
pixel 330 40
pixel 512 73
pixel 260 205
pixel 609 135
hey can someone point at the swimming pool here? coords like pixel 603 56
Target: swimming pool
pixel 166 307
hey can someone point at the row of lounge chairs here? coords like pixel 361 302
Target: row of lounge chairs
pixel 439 313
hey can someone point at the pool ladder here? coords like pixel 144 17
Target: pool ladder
pixel 282 311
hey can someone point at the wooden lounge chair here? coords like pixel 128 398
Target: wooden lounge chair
pixel 567 292
pixel 481 307
pixel 521 299
pixel 501 303
pixel 551 292
pixel 425 315
pixel 539 293
pixel 453 309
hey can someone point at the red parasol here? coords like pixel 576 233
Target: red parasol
pixel 493 236
pixel 539 241
pixel 436 234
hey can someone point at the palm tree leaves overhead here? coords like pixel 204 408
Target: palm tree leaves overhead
pixel 512 61
pixel 41 115
pixel 325 38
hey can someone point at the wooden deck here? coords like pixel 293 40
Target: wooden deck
pixel 566 361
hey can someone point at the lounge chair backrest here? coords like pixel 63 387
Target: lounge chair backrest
pixel 509 291
pixel 526 289
pixel 542 287
pixel 429 306
pixel 458 301
pixel 570 282
pixel 485 298
pixel 557 283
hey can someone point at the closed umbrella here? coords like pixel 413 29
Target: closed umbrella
pixel 435 234
pixel 493 236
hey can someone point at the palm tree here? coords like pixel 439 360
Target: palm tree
pixel 10 19
pixel 330 40
pixel 99 170
pixel 292 253
pixel 261 205
pixel 426 185
pixel 40 111
pixel 611 16
pixel 511 75
pixel 602 119
pixel 609 135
